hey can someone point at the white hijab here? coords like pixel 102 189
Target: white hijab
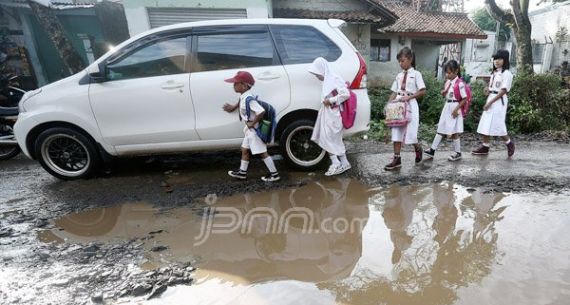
pixel 331 79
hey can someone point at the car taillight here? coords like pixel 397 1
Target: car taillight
pixel 360 80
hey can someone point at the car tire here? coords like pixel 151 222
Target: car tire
pixel 8 151
pixel 297 148
pixel 67 154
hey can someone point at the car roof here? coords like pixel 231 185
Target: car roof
pixel 185 25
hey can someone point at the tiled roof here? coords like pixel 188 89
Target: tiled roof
pixel 349 16
pixel 430 22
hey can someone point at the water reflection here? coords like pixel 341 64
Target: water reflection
pixel 414 245
pixel 442 239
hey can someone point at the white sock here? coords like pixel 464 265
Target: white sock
pixel 485 144
pixel 436 141
pixel 334 160
pixel 457 145
pixel 508 142
pixel 343 160
pixel 270 164
pixel 243 166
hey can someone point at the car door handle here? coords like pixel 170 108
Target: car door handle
pixel 268 76
pixel 171 85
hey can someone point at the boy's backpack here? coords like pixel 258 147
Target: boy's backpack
pixel 456 93
pixel 267 126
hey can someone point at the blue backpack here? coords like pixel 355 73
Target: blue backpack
pixel 266 129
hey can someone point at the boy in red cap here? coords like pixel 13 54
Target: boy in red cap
pixel 243 81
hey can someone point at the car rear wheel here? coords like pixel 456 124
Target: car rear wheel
pixel 298 149
pixel 66 153
pixel 8 146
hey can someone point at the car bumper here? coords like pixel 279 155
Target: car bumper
pixel 22 128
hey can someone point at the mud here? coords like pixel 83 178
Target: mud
pixel 45 260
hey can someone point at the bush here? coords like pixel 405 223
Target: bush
pixel 432 102
pixel 478 100
pixel 378 99
pixel 537 103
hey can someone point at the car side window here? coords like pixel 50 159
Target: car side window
pixel 232 50
pixel 299 44
pixel 159 57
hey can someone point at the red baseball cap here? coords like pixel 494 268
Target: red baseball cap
pixel 242 77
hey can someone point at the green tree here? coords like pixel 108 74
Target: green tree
pixel 517 19
pixel 482 18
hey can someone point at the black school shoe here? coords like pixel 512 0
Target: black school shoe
pixel 430 153
pixel 271 177
pixel 239 174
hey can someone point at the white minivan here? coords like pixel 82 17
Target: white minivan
pixel 162 91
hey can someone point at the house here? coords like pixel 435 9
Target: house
pixel 143 15
pixel 550 36
pixel 89 26
pixel 379 29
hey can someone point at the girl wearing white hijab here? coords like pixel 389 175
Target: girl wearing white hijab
pixel 328 127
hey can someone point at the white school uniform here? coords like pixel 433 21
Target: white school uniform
pixel 449 125
pixel 251 140
pixel 327 132
pixel 493 120
pixel 414 83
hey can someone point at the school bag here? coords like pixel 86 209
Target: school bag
pixel 348 109
pixel 397 114
pixel 456 93
pixel 266 129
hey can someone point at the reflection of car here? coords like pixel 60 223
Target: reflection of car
pixel 162 91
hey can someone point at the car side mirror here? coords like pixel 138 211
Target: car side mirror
pixel 98 73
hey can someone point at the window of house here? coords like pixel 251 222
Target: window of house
pixel 380 50
pixel 231 49
pixel 302 44
pixel 160 57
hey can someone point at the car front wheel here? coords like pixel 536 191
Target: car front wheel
pixel 67 154
pixel 298 149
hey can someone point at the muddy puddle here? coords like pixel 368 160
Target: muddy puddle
pixel 336 241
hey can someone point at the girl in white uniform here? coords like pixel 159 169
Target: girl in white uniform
pixel 493 119
pixel 408 86
pixel 328 127
pixel 451 118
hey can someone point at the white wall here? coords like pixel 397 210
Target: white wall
pixel 427 55
pixel 546 22
pixel 138 20
pixel 477 55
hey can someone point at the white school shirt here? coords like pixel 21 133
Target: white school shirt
pixel 451 92
pixel 501 80
pixel 254 106
pixel 414 82
pixel 342 95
